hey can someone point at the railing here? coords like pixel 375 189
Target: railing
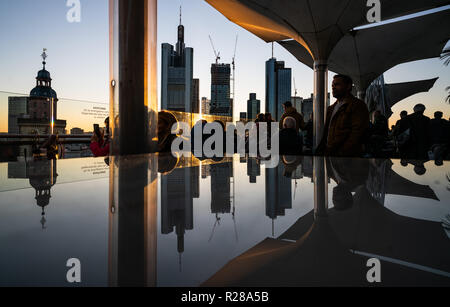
pixel 31 139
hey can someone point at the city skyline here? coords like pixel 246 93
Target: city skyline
pixel 78 56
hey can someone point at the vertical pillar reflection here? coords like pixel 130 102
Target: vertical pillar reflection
pixel 133 224
pixel 320 187
pixel 320 99
pixel 133 76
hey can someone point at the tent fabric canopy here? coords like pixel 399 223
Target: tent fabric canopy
pixel 399 91
pixel 317 25
pixel 367 53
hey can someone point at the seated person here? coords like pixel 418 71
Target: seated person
pixel 289 141
pixel 99 147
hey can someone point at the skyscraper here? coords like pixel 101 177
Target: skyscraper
pixel 253 107
pixel 221 103
pixel 17 108
pixel 195 103
pixel 297 103
pixel 206 105
pixel 177 75
pixel 278 87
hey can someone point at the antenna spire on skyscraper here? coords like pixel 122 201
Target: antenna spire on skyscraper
pixel 180 15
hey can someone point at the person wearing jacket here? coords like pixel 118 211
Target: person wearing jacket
pixel 290 111
pixel 346 123
pixel 98 146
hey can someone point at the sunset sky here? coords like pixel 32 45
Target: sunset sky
pixel 78 56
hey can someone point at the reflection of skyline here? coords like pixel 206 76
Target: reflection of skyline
pixel 252 221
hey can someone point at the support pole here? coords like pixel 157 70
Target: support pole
pixel 320 99
pixel 133 71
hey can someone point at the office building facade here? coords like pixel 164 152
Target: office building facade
pixel 221 104
pixel 253 107
pixel 177 75
pixel 17 108
pixel 278 87
pixel 206 105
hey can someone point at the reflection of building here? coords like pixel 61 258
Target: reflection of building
pixel 206 104
pixel 42 175
pixel 278 87
pixel 17 108
pixel 206 171
pixel 278 192
pixel 195 181
pixel 177 75
pixel 177 204
pixel 253 169
pixel 220 90
pixel 253 107
pixel 220 187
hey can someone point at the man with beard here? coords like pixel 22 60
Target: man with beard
pixel 346 122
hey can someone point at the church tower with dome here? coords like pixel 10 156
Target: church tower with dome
pixel 42 107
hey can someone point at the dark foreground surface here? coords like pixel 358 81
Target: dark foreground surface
pixel 159 221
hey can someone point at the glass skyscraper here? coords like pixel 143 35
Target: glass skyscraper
pixel 177 76
pixel 278 87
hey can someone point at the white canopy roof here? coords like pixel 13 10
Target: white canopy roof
pixel 367 53
pixel 318 25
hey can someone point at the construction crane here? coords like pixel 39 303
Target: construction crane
pixel 217 54
pixel 233 78
pixel 295 88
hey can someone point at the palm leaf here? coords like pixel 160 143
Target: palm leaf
pixel 445 56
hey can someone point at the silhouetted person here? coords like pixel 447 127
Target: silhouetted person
pixel 291 163
pixel 401 133
pixel 290 111
pixel 439 136
pixel 379 133
pixel 51 145
pixel 289 140
pixel 268 118
pixel 165 136
pixel 419 144
pixel 347 122
pixel 260 118
pixel 349 175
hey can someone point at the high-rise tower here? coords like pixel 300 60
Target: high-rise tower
pixel 278 87
pixel 177 75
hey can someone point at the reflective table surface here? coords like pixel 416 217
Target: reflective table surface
pixel 162 221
